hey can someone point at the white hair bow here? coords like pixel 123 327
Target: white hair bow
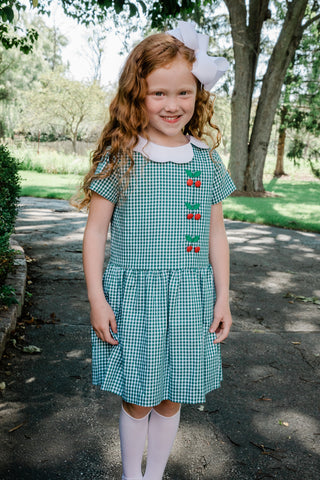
pixel 208 70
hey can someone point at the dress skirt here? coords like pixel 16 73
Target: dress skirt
pixel 165 349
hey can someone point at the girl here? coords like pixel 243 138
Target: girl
pixel 156 319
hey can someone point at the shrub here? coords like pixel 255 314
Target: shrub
pixel 9 194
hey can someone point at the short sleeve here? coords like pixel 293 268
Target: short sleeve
pixel 223 185
pixel 106 187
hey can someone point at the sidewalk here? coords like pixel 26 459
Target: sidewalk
pixel 262 424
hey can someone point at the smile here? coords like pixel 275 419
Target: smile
pixel 171 119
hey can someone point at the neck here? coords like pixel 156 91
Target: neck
pixel 167 141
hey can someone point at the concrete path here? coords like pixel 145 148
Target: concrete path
pixel 262 424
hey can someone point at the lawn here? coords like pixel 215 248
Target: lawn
pixel 46 185
pixel 296 205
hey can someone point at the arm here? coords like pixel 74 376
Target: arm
pixel 94 243
pixel 219 259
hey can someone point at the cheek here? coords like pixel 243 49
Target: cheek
pixel 151 106
pixel 191 106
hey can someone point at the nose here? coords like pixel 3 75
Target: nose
pixel 171 104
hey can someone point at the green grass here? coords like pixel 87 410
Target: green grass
pixel 296 206
pixel 50 161
pixel 46 185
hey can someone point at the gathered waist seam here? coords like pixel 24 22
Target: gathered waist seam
pixel 128 267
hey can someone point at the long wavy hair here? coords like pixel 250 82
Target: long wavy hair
pixel 128 115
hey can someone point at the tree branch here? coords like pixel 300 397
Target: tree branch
pixel 310 21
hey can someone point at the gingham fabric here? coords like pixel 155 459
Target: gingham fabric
pixel 159 281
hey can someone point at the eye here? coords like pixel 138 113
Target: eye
pixel 184 93
pixel 158 94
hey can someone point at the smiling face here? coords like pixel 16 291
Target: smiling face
pixel 170 102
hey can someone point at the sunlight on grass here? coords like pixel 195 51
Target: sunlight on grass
pixel 45 185
pixel 296 206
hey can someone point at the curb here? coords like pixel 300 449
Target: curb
pixel 17 280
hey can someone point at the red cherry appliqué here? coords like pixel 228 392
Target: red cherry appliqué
pixel 189 182
pixel 190 216
pixel 197 216
pixel 197 249
pixel 189 248
pixel 197 183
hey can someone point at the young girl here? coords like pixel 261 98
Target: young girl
pixel 161 308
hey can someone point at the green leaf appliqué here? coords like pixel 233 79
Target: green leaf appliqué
pixel 192 239
pixel 195 174
pixel 192 206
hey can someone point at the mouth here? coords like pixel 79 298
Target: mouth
pixel 171 118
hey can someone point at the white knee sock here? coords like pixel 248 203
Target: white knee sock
pixel 161 434
pixel 133 433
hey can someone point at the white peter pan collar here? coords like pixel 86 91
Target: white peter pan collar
pixel 161 154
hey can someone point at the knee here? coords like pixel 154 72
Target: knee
pixel 168 408
pixel 136 411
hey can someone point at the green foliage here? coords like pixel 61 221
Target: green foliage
pixel 50 161
pixel 300 102
pixel 9 190
pixel 20 73
pixel 64 106
pixel 11 33
pixel 7 295
pixel 9 193
pixel 93 11
pixel 298 150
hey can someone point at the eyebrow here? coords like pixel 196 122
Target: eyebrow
pixel 162 89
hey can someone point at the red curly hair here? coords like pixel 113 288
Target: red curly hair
pixel 128 115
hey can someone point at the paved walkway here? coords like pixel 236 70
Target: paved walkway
pixel 262 424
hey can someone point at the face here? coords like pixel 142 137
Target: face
pixel 170 102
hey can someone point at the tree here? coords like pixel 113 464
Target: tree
pixel 20 73
pixel 300 102
pixel 96 43
pixel 63 105
pixel 248 151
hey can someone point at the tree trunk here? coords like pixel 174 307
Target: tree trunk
pixel 281 57
pixel 279 170
pixel 246 44
pixel 74 142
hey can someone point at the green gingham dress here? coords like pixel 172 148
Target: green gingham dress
pixel 159 281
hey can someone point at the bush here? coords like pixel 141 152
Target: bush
pixel 9 194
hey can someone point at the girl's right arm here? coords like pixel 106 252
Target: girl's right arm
pixel 94 243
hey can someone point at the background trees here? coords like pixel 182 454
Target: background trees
pixel 300 104
pixel 264 34
pixel 64 107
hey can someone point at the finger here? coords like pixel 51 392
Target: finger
pixel 113 325
pixel 222 335
pixel 215 324
pixel 105 336
pixel 110 339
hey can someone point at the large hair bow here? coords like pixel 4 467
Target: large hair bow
pixel 208 70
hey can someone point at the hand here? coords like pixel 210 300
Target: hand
pixel 222 321
pixel 102 319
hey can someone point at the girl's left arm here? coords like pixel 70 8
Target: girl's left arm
pixel 219 259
